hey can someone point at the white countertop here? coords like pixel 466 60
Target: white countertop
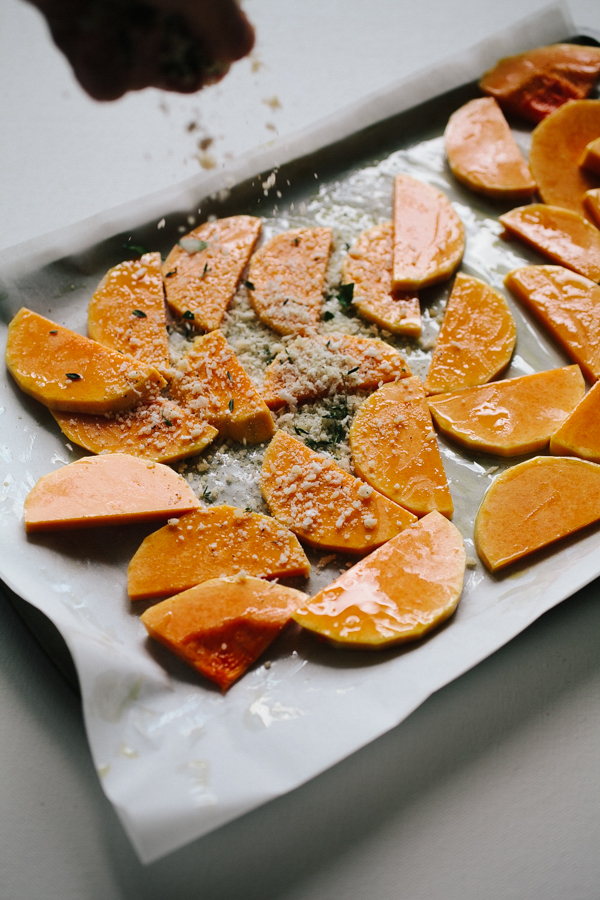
pixel 491 789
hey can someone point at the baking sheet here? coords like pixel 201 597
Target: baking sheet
pixel 175 757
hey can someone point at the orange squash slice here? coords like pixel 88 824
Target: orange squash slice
pixel 568 305
pixel 209 543
pixel 429 238
pixel 127 311
pixel 69 372
pixel 476 340
pixel 517 415
pixel 203 270
pixel 222 626
pixel 316 366
pixel 398 593
pixel 286 279
pixel 210 381
pixel 590 158
pixel 325 506
pixel 369 267
pixel 159 430
pixel 579 435
pixel 395 450
pixel 562 235
pixel 483 154
pixel 535 83
pixel 112 489
pixel 556 148
pixel 534 504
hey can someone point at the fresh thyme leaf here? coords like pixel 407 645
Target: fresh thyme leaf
pixel 328 315
pixel 205 270
pixel 299 430
pixel 249 285
pixel 206 495
pixel 188 314
pixel 296 241
pixel 352 371
pixel 345 295
pixel 248 509
pixel 287 300
pixel 135 248
pixel 54 331
pixel 139 313
pixel 171 273
pixel 229 375
pixel 230 404
pixel 193 245
pixel 73 376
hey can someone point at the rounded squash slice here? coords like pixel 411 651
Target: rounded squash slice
pixel 509 417
pixel 535 83
pixel 222 626
pixel 112 489
pixel 127 311
pixel 209 543
pixel 202 271
pixel 535 504
pixel 69 372
pixel 211 382
pixel 476 340
pixel 429 238
pixel 560 234
pixel 399 593
pixel 556 148
pixel 395 450
pixel 316 366
pixel 483 154
pixel 568 305
pixel 325 506
pixel 369 267
pixel 579 435
pixel 160 430
pixel 286 279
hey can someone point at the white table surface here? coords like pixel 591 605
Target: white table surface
pixel 492 788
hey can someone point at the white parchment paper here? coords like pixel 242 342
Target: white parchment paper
pixel 176 758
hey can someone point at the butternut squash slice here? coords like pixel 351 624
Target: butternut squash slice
pixel 369 267
pixel 222 626
pixel 325 506
pixel 127 311
pixel 69 372
pixel 568 305
pixel 395 450
pixel 203 270
pixel 510 417
pixel 476 340
pixel 159 430
pixel 313 367
pixel 579 435
pixel 536 83
pixel 210 381
pixel 590 158
pixel 483 154
pixel 562 235
pixel 112 489
pixel 398 593
pixel 591 202
pixel 534 504
pixel 556 147
pixel 429 238
pixel 210 543
pixel 286 279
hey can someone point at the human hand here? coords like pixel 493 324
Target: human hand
pixel 115 46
